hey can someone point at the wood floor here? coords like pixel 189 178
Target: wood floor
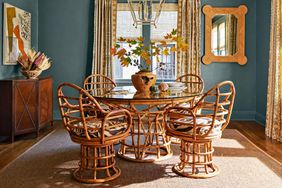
pixel 255 133
pixel 252 130
pixel 10 151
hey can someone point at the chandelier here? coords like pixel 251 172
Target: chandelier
pixel 145 12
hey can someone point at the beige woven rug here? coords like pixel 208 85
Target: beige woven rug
pixel 51 162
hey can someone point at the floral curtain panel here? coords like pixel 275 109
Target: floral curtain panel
pixel 231 27
pixel 274 93
pixel 189 27
pixel 105 12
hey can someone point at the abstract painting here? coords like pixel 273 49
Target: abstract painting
pixel 16 34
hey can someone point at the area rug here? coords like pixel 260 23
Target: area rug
pixel 51 162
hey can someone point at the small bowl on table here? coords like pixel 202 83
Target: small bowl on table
pixel 175 84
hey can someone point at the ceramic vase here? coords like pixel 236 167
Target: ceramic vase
pixel 143 80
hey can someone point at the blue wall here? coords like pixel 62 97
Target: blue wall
pixel 29 6
pixel 66 29
pixel 244 77
pixel 263 36
pixel 63 29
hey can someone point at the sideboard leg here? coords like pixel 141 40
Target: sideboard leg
pixel 12 138
pixel 37 133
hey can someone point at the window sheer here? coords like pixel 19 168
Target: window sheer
pixel 167 21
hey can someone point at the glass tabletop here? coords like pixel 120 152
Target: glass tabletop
pixel 129 92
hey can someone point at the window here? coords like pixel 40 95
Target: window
pixel 123 72
pixel 219 37
pixel 125 29
pixel 167 21
pixel 168 73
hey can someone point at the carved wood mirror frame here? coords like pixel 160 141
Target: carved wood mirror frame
pixel 239 13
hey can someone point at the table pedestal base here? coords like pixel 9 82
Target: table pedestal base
pixel 145 157
pixel 148 141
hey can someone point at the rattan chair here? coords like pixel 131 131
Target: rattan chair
pixel 197 130
pixel 96 135
pixel 194 84
pixel 98 84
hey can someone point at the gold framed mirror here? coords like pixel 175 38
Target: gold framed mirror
pixel 224 34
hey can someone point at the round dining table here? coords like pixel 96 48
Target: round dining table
pixel 147 141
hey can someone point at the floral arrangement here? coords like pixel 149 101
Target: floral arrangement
pixel 137 48
pixel 34 61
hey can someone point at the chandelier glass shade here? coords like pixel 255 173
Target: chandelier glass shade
pixel 145 12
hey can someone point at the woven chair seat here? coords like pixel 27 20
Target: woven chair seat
pixel 203 126
pixel 111 129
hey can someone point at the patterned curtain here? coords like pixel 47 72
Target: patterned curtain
pixel 231 35
pixel 105 13
pixel 189 28
pixel 274 93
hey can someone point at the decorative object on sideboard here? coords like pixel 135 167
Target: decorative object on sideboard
pixel 16 33
pixel 33 63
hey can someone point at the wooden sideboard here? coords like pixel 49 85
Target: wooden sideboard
pixel 26 105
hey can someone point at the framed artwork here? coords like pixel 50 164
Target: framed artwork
pixel 16 33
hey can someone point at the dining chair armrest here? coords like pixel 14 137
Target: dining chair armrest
pixel 120 116
pixel 118 113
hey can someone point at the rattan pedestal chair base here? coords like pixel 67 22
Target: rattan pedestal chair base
pixel 196 160
pixel 187 172
pixel 97 164
pixel 84 179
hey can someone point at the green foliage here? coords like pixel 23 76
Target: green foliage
pixel 138 49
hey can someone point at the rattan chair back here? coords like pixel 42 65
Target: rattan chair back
pixel 98 84
pixel 218 103
pixel 194 83
pixel 79 113
pixel 215 106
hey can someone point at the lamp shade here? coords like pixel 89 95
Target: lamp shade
pixel 145 12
